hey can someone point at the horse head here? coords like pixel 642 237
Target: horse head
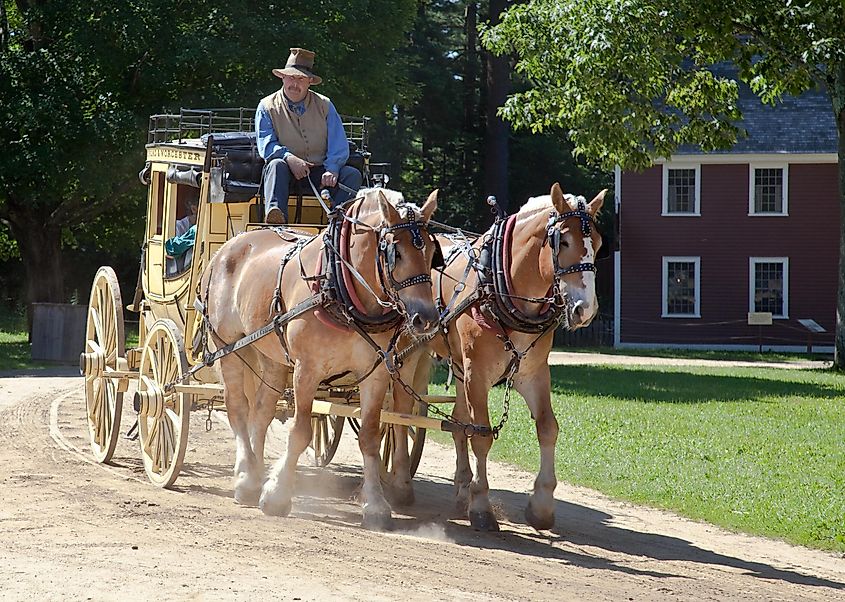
pixel 574 241
pixel 405 251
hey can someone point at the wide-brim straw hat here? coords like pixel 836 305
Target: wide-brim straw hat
pixel 300 62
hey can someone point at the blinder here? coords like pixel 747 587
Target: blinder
pixel 390 254
pixel 553 235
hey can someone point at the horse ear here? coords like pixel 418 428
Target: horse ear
pixel 430 205
pixel 388 212
pixel 557 199
pixel 597 202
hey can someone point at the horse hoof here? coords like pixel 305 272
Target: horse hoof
pixel 247 497
pixel 541 523
pixel 462 500
pixel 403 497
pixel 274 508
pixel 483 521
pixel 375 520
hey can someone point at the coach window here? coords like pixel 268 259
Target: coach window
pixel 156 204
pixel 681 189
pixel 768 187
pixel 681 286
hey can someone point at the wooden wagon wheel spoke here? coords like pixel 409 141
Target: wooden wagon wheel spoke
pixel 104 345
pixel 156 448
pixel 165 443
pixel 107 336
pixel 174 423
pixel 416 442
pixel 317 439
pixel 94 316
pixel 325 437
pixel 147 445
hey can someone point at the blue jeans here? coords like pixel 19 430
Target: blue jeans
pixel 278 182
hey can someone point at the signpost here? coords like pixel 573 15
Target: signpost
pixel 812 327
pixel 760 318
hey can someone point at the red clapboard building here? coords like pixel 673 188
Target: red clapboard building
pixel 705 239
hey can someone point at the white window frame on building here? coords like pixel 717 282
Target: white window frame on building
pixel 752 284
pixel 676 166
pixel 752 189
pixel 665 297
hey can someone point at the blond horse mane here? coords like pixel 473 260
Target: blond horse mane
pixel 394 197
pixel 540 203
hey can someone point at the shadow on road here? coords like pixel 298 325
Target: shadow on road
pixel 330 495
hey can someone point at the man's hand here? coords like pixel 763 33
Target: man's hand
pixel 329 180
pixel 300 168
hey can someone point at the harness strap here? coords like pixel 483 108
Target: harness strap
pixel 277 322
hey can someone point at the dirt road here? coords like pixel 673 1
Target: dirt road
pixel 71 529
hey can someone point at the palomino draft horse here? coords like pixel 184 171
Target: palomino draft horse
pixel 522 279
pixel 376 257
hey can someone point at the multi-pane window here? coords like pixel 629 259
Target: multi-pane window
pixel 681 190
pixel 681 280
pixel 769 285
pixel 768 188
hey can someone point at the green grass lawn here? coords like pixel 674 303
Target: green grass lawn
pixel 746 356
pixel 752 449
pixel 14 347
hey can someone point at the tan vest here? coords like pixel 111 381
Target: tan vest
pixel 305 136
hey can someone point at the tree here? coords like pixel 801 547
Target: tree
pixel 78 81
pixel 629 79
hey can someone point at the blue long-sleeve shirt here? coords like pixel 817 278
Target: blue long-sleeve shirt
pixel 269 147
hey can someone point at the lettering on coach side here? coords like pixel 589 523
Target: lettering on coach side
pixel 174 154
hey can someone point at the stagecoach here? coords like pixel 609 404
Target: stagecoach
pixel 211 153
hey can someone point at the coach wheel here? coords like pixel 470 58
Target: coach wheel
pixel 163 413
pixel 325 437
pixel 105 342
pixel 416 441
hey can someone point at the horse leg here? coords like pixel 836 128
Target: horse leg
pixel 278 490
pixel 248 471
pixel 536 389
pixel 272 384
pixel 375 509
pixel 480 511
pixel 463 471
pixel 401 486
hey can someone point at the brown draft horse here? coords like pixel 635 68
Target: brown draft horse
pixel 476 342
pixel 240 284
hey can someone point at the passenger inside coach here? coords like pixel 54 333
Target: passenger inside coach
pixel 179 250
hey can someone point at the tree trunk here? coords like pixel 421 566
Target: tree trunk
pixel 838 98
pixel 470 66
pixel 496 134
pixel 4 27
pixel 40 247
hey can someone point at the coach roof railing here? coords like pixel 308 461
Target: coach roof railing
pixel 195 123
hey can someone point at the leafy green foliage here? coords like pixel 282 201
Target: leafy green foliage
pixel 78 82
pixel 630 79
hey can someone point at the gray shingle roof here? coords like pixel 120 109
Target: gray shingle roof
pixel 802 124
